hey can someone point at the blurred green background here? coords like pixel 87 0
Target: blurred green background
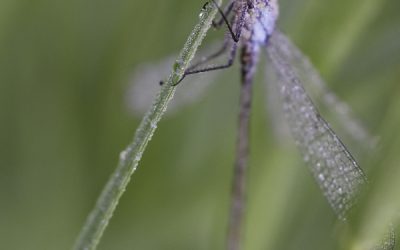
pixel 64 70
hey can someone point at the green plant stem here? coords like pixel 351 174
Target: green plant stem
pixel 99 218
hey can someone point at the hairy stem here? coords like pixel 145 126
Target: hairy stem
pixel 101 214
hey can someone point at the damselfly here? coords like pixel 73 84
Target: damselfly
pixel 251 29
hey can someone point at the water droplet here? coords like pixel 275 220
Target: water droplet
pixel 201 15
pixel 178 66
pixel 321 177
pixel 123 155
pixel 153 125
pixel 138 157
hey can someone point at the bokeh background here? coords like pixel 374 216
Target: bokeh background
pixel 65 67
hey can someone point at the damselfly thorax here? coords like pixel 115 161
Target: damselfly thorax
pixel 254 22
pixel 259 20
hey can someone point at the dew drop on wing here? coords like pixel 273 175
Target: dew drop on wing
pixel 315 138
pixel 335 170
pixel 313 81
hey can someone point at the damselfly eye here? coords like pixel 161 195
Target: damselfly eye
pixel 250 5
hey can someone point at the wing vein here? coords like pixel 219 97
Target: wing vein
pixel 332 165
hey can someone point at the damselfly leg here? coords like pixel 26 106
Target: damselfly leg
pixel 235 35
pixel 228 9
pixel 231 59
